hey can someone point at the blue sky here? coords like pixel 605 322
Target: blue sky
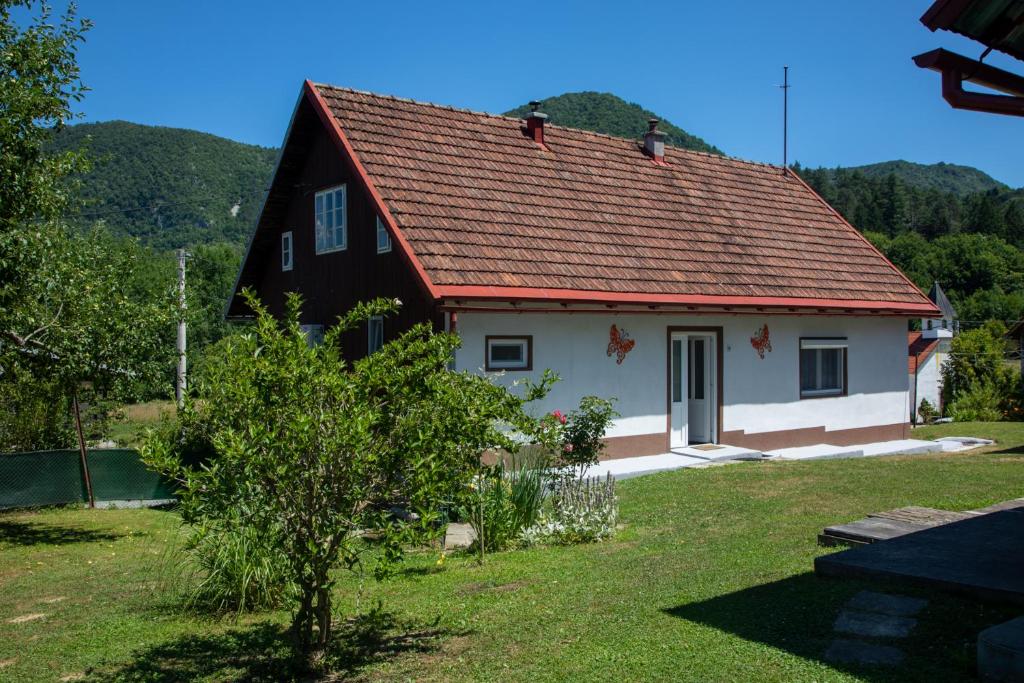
pixel 234 69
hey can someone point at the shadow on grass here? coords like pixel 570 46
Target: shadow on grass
pixel 262 652
pixel 27 533
pixel 797 615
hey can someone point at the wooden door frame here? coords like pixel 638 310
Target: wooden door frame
pixel 717 331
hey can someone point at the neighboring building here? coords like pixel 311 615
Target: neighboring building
pixel 927 352
pixel 717 300
pixel 925 373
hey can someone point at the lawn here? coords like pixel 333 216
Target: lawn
pixel 709 579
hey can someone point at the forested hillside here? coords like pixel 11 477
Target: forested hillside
pixel 605 113
pixel 953 178
pixel 167 186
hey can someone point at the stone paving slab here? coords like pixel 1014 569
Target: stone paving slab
pixel 873 624
pixel 843 651
pixel 1001 652
pixel 885 603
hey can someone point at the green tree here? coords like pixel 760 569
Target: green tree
pixel 977 360
pixel 316 450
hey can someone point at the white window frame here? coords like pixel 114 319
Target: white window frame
pixel 287 253
pixel 375 322
pixel 819 345
pixel 337 240
pixel 381 228
pixel 314 334
pixel 524 342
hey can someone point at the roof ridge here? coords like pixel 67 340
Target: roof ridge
pixel 476 112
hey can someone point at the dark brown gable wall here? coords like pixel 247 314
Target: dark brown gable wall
pixel 330 284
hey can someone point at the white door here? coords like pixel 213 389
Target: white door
pixel 699 389
pixel 677 384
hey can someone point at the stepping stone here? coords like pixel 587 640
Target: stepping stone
pixel 1001 652
pixel 843 651
pixel 459 536
pixel 873 624
pixel 883 603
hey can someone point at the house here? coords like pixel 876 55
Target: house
pixel 718 300
pixel 924 372
pixel 927 350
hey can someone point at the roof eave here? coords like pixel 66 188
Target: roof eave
pixel 460 296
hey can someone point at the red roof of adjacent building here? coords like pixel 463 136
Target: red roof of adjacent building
pixel 918 349
pixel 484 212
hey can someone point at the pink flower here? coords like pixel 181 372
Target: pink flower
pixel 558 415
pixel 568 448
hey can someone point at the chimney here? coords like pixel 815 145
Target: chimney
pixel 654 142
pixel 535 124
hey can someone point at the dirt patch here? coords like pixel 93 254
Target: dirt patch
pixel 6 662
pixel 25 617
pixel 489 587
pixel 72 677
pixel 51 601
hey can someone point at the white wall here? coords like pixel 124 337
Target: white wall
pixel 929 380
pixel 759 395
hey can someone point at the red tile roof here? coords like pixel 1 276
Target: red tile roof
pixel 918 348
pixel 488 213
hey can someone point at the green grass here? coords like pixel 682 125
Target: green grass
pixel 128 427
pixel 709 579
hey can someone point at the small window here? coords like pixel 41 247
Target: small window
pixel 331 220
pixel 509 353
pixel 383 238
pixel 375 333
pixel 822 367
pixel 286 250
pixel 314 334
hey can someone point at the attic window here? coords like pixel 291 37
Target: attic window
pixel 286 250
pixel 822 367
pixel 331 212
pixel 383 238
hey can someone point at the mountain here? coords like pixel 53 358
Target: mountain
pixel 169 187
pixel 960 180
pixel 605 113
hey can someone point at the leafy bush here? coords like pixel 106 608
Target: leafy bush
pixel 981 403
pixel 36 415
pixel 309 450
pixel 927 411
pixel 581 511
pixel 576 438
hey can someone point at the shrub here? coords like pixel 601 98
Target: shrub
pixel 576 438
pixel 927 411
pixel 36 414
pixel 581 511
pixel 309 450
pixel 981 403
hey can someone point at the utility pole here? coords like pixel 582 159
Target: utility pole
pixel 182 362
pixel 785 119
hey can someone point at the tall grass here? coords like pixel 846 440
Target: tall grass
pixel 231 567
pixel 508 501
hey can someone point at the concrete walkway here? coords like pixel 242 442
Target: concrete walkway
pixel 624 468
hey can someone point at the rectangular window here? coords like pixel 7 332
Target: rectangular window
pixel 331 216
pixel 314 334
pixel 822 367
pixel 375 333
pixel 383 238
pixel 509 353
pixel 286 250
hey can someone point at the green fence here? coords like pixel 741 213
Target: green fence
pixel 56 477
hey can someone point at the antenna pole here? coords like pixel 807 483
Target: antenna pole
pixel 785 119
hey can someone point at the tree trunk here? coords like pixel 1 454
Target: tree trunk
pixel 81 449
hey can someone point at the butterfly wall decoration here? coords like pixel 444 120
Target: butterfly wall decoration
pixel 761 342
pixel 619 343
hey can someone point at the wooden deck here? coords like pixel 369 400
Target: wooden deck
pixel 978 553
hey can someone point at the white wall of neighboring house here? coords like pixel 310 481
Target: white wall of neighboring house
pixel 928 381
pixel 759 395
